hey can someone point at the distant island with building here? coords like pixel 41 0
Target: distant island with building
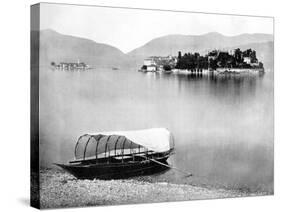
pixel 70 66
pixel 222 61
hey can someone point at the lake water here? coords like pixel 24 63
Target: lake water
pixel 222 124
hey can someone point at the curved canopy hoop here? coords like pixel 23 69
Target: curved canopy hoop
pixel 106 144
pixel 77 143
pixel 115 146
pixel 85 149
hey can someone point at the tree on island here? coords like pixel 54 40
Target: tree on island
pixel 144 67
pixel 167 67
pixel 238 56
pixel 179 55
pixel 192 61
pixel 202 62
pixel 218 59
pixel 213 64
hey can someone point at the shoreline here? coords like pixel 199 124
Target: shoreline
pixel 60 189
pixel 218 71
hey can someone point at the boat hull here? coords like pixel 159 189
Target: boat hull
pixel 115 170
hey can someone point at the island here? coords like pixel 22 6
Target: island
pixel 234 61
pixel 70 66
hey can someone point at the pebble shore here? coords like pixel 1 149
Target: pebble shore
pixel 60 189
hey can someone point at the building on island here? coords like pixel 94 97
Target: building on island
pixel 70 66
pixel 151 68
pixel 247 60
pixel 157 63
pixel 149 61
pixel 213 55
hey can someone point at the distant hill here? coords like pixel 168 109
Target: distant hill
pixel 171 44
pixel 56 47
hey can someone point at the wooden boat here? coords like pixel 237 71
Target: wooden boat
pixel 122 154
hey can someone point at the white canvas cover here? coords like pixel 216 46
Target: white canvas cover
pixel 155 139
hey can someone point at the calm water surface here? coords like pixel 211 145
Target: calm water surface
pixel 222 125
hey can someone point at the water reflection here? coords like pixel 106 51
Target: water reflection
pixel 215 84
pixel 223 125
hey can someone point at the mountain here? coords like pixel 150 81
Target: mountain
pixel 56 47
pixel 171 44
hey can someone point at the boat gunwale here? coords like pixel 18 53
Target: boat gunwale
pixel 117 164
pixel 138 154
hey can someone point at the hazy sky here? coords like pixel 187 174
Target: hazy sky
pixel 128 29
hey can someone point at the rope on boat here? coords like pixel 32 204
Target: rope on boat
pixel 163 164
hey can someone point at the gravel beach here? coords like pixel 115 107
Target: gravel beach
pixel 60 189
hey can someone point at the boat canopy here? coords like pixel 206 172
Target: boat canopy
pixel 104 144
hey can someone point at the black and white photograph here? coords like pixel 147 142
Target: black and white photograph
pixel 132 105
